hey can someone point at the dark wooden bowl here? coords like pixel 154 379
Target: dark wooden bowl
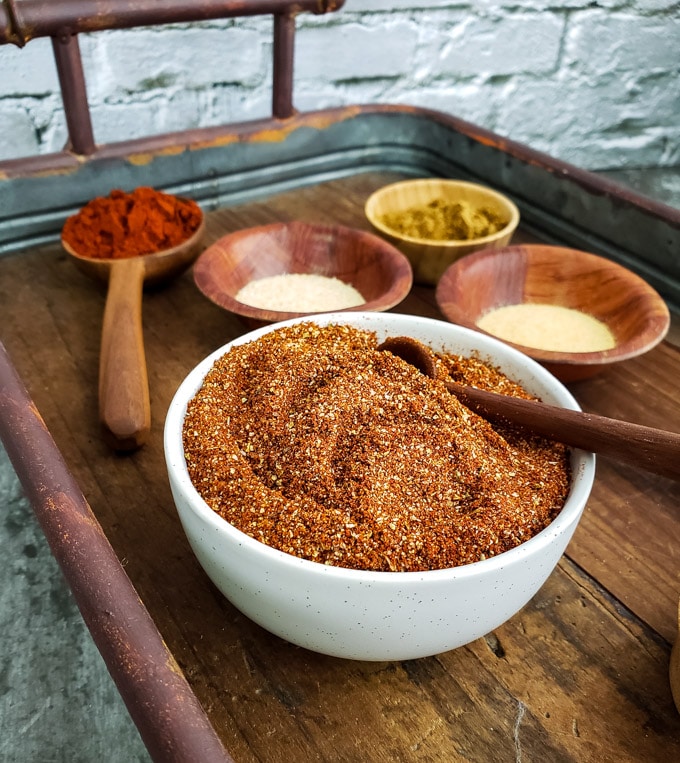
pixel 379 271
pixel 636 315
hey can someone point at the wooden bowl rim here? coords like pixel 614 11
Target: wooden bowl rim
pixel 446 243
pixel 399 286
pixel 653 334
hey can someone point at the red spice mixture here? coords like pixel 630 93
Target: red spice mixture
pixel 123 225
pixel 313 442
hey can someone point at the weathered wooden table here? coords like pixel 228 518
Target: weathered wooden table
pixel 581 673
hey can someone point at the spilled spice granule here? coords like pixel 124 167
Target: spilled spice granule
pixel 312 441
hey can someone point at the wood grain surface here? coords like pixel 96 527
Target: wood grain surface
pixel 580 674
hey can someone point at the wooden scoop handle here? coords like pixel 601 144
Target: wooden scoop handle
pixel 124 408
pixel 654 450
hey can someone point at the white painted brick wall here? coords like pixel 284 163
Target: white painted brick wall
pixel 594 83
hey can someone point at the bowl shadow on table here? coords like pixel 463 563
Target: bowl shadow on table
pixel 375 268
pixel 633 311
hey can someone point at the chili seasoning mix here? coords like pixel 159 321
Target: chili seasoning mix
pixel 313 442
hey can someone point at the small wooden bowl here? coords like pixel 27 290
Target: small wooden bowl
pixel 430 258
pixel 635 314
pixel 376 269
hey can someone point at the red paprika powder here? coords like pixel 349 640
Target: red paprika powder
pixel 130 224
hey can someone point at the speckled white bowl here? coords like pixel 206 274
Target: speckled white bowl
pixel 376 615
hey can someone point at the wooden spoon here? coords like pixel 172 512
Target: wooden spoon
pixel 654 450
pixel 124 407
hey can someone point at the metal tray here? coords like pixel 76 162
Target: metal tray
pixel 557 202
pixel 227 166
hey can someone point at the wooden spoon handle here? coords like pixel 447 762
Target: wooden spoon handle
pixel 654 450
pixel 124 408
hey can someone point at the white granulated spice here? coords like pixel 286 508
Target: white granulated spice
pixel 299 293
pixel 548 327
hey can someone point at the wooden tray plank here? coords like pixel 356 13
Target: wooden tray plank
pixel 629 538
pixel 579 674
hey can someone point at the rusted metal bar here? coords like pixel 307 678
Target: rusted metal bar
pixel 169 718
pixel 63 20
pixel 284 51
pixel 74 94
pixel 10 23
pixel 66 162
pixel 29 19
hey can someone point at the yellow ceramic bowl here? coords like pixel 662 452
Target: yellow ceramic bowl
pixel 429 257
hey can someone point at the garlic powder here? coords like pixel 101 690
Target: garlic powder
pixel 300 293
pixel 548 327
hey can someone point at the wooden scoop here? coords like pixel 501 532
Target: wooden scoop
pixel 654 450
pixel 124 407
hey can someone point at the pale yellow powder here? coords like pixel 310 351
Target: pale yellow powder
pixel 548 327
pixel 300 293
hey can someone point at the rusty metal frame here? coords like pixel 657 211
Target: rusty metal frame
pixel 63 20
pixel 170 720
pixel 573 206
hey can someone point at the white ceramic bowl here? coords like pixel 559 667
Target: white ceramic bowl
pixel 376 615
